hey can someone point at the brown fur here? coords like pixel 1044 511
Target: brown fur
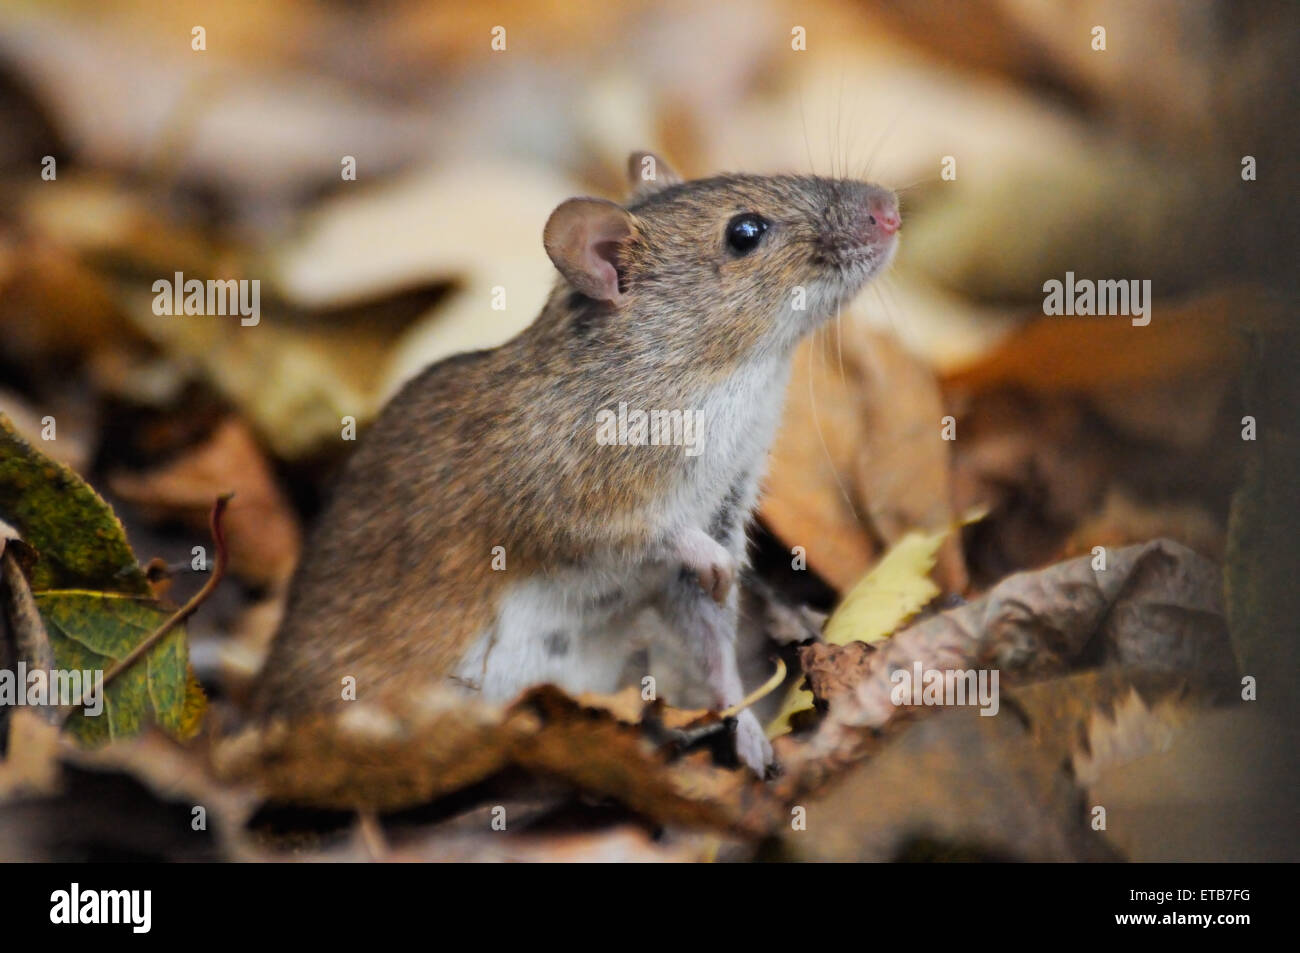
pixel 496 448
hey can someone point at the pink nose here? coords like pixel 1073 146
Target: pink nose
pixel 886 216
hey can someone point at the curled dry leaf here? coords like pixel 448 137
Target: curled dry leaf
pixel 369 757
pixel 22 639
pixel 377 759
pixel 1154 606
pixel 588 748
pixel 20 618
pixel 961 786
pixel 835 670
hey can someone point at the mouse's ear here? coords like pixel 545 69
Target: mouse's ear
pixel 582 237
pixel 647 173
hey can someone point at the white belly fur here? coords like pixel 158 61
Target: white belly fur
pixel 558 629
pixel 600 635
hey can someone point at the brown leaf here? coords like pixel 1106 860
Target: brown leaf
pixel 30 764
pixel 832 670
pixel 1155 606
pixel 261 526
pixel 368 758
pixel 1121 519
pixel 953 786
pixel 1092 355
pixel 1104 717
pixel 1220 787
pixel 859 459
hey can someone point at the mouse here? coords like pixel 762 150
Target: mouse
pixel 511 511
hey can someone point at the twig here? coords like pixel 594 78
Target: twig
pixel 765 689
pixel 181 614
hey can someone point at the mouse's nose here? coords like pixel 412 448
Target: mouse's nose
pixel 885 212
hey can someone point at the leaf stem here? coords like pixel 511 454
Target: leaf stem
pixel 181 614
pixel 766 688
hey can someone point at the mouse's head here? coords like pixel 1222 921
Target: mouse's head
pixel 747 259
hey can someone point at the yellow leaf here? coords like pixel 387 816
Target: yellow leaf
pixel 895 590
pixel 891 593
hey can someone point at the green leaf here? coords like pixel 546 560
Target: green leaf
pixel 93 631
pixel 80 543
pixel 93 597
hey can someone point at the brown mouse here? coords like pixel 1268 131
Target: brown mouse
pixel 512 509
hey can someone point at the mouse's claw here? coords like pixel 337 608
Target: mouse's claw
pixel 713 565
pixel 752 747
pixel 716 581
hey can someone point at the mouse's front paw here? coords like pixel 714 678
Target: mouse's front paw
pixel 712 564
pixel 716 580
pixel 752 747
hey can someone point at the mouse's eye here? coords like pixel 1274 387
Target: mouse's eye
pixel 744 232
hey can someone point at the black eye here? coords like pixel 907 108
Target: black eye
pixel 744 232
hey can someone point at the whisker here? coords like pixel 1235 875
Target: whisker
pixel 803 121
pixel 839 336
pixel 877 287
pixel 880 141
pixel 821 436
pixel 928 180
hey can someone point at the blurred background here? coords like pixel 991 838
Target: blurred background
pixel 381 168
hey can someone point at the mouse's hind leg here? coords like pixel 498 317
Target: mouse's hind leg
pixel 707 630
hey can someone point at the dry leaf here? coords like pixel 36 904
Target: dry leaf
pixel 894 591
pixel 1156 606
pixel 373 758
pixel 261 527
pixel 1220 789
pixel 29 765
pixel 953 786
pixel 860 458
